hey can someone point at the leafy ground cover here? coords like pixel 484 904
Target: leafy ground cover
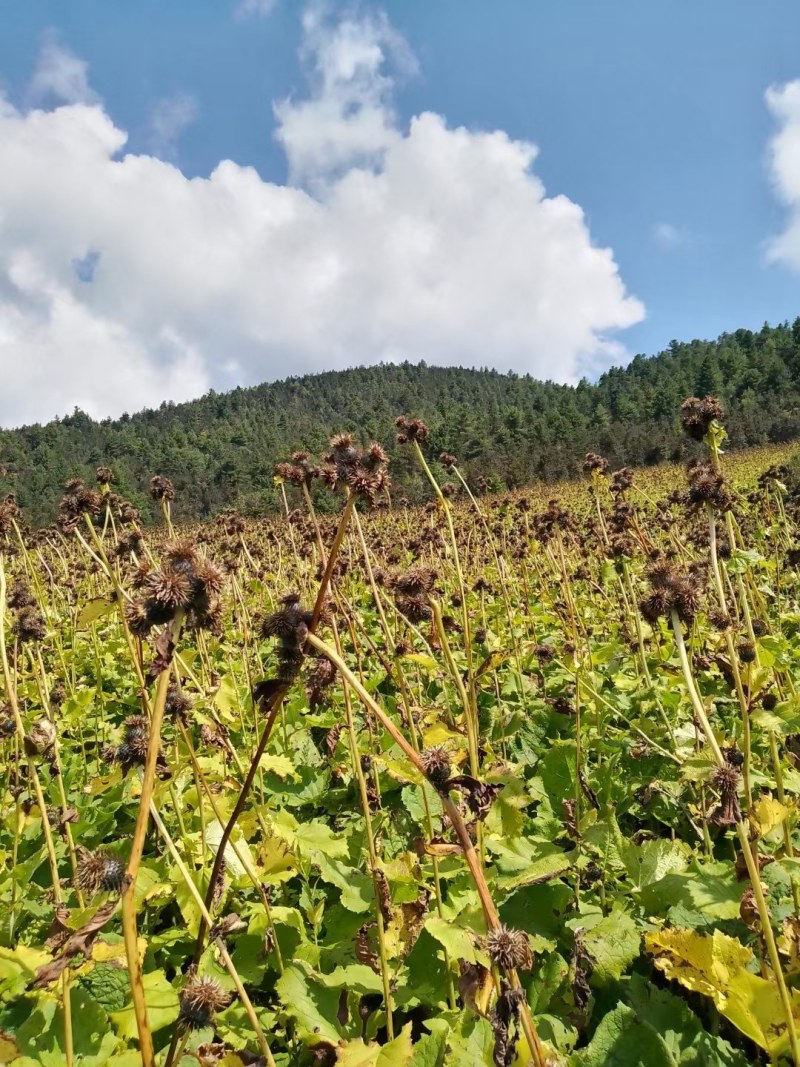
pixel 501 780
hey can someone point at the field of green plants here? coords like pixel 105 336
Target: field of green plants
pixel 502 780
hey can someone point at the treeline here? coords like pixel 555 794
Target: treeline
pixel 220 451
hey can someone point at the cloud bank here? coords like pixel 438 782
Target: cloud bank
pixel 124 283
pixel 783 102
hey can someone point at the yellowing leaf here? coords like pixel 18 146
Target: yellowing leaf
pixel 280 765
pixel 715 965
pixel 767 814
pixel 277 861
pixel 397 1053
pixel 103 952
pixel 428 662
pixel 439 734
pixel 95 609
pixel 400 770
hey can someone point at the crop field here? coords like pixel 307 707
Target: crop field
pixel 496 781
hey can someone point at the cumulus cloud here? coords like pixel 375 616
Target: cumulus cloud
pixel 783 102
pixel 170 117
pixel 347 119
pixel 60 76
pixel 426 242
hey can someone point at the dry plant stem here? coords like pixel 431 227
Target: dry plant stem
pixel 734 660
pixel 373 852
pixel 11 697
pixel 229 965
pixel 454 815
pixel 137 848
pixel 471 725
pixel 274 709
pixel 742 831
pixel 444 504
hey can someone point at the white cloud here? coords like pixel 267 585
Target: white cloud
pixel 170 117
pixel 423 243
pixel 669 237
pixel 784 160
pixel 347 120
pixel 249 8
pixel 60 76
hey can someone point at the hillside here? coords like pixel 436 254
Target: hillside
pixel 220 450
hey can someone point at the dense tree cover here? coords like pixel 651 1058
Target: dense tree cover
pixel 220 450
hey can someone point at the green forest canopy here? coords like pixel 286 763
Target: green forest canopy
pixel 220 450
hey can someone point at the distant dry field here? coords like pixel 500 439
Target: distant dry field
pixel 498 780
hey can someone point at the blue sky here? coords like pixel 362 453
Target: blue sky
pixel 650 116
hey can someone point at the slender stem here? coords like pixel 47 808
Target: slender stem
pixel 742 831
pixel 229 965
pixel 456 820
pixel 146 1049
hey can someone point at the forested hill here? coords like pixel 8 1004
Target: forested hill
pixel 220 450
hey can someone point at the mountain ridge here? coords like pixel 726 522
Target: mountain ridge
pixel 511 429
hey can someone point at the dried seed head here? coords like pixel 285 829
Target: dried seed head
pixel 41 738
pixel 99 870
pixel 436 763
pixel 410 430
pixel 697 415
pixel 727 812
pixel 169 587
pixel 592 463
pixel 161 488
pixel 200 999
pixel 509 948
pixel 746 650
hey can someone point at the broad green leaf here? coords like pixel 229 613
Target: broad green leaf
pixel 622 1041
pixel 458 941
pixel 429 1050
pixel 162 1006
pixel 680 1029
pixel 653 860
pixel 613 943
pixel 312 1007
pixel 710 889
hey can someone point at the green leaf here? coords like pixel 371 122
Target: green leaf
pixel 653 860
pixel 429 1050
pixel 621 1040
pixel 312 1007
pixel 162 1006
pixel 458 941
pixel 357 888
pixel 710 889
pixel 41 1036
pixel 682 1032
pixel 280 765
pixel 108 985
pixel 472 1043
pixel 613 943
